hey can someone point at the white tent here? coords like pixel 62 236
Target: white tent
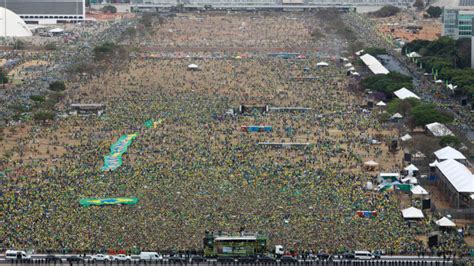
pixel 439 130
pixel 193 66
pixel 373 64
pixel 351 69
pixel 56 30
pixel 438 81
pixel 404 93
pixel 412 213
pixel 434 164
pixel 411 168
pixel 449 153
pixel 11 25
pixel 322 64
pixel 381 103
pixel 451 86
pixel 414 55
pixel 445 222
pixel 458 175
pixel 355 74
pixel 410 180
pixel 358 53
pixel 348 65
pixel 396 116
pixel 406 137
pixel 419 190
pixel 371 163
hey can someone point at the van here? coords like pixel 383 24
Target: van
pixel 16 255
pixel 363 255
pixel 150 256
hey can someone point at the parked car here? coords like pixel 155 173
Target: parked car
pixel 225 259
pixel 74 259
pixel 377 254
pixel 247 259
pixel 11 255
pixel 150 256
pixel 363 255
pixel 197 259
pixel 266 259
pixel 100 257
pixel 50 258
pixel 323 256
pixel 176 260
pixel 121 257
pixel 288 259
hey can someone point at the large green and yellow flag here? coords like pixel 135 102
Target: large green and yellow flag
pixel 86 202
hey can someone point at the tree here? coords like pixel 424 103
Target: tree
pixel 419 4
pixel 43 116
pixel 104 50
pixel 387 83
pixel 375 50
pixel 109 9
pixel 57 86
pixel 37 98
pixel 402 106
pixel 427 113
pixel 449 140
pixel 386 11
pixel 434 11
pixel 51 46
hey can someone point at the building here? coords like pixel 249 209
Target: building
pixel 47 11
pixel 457 22
pixel 472 45
pixel 11 25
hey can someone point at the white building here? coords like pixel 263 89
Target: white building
pixel 11 25
pixel 47 11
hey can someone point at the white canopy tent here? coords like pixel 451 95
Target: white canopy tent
pixel 457 181
pixel 405 93
pixel 411 169
pixel 56 30
pixel 193 66
pixel 445 222
pixel 449 153
pixel 381 103
pixel 419 190
pixel 396 116
pixel 413 55
pixel 412 213
pixel 373 64
pixel 439 130
pixel 322 64
pixel 371 163
pixel 406 137
pixel 348 65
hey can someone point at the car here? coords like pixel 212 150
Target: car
pixel 363 255
pixel 323 256
pixel 246 259
pixel 17 255
pixel 266 259
pixel 197 259
pixel 50 258
pixel 74 259
pixel 100 257
pixel 121 257
pixel 347 256
pixel 225 259
pixel 150 256
pixel 176 260
pixel 377 254
pixel 288 259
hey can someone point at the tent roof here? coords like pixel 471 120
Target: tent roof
pixel 433 164
pixel 419 190
pixel 414 54
pixel 406 137
pixel 322 64
pixel 397 115
pixel 411 167
pixel 373 64
pixel 449 153
pixel 439 130
pixel 56 30
pixel 348 65
pixel 192 66
pixel 412 213
pixel 445 222
pixel 381 103
pixel 371 163
pixel 404 93
pixel 458 175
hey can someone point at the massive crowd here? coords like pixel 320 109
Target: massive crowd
pixel 197 171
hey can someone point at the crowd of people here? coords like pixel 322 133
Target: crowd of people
pixel 197 171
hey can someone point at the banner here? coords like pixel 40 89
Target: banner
pixel 86 202
pixel 153 124
pixel 367 214
pixel 256 128
pixel 114 159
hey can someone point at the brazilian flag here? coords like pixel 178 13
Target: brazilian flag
pixel 86 202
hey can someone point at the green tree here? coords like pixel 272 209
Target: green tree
pixel 427 113
pixel 109 9
pixel 386 11
pixel 57 86
pixel 402 106
pixel 449 140
pixel 434 11
pixel 43 116
pixel 387 83
pixel 375 50
pixel 105 50
pixel 37 98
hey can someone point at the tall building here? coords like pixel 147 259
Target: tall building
pixel 472 45
pixel 47 11
pixel 457 22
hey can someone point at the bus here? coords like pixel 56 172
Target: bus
pixel 241 244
